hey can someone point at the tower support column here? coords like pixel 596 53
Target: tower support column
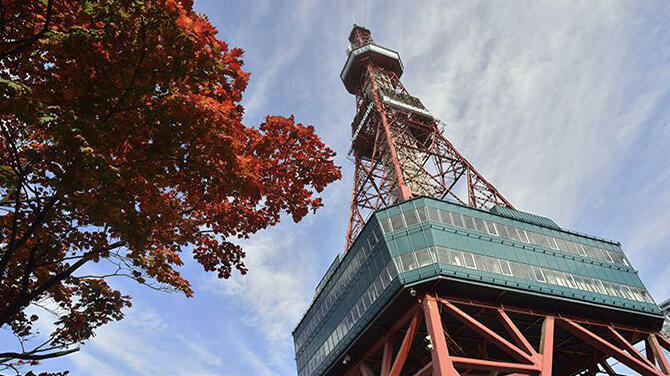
pixel 442 364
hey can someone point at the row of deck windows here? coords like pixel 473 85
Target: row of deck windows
pixel 307 367
pixel 423 257
pixel 422 214
pixel 339 284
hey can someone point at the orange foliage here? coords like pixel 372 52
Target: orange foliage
pixel 122 141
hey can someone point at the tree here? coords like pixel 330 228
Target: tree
pixel 122 144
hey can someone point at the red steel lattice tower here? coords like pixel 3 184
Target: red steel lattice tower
pixel 397 145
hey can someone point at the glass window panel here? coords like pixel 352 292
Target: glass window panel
pixel 408 261
pixel 422 213
pixel 481 227
pixel 469 223
pixel 433 256
pixel 591 284
pixel 423 257
pixel 551 278
pixel 626 292
pixel 562 245
pixel 366 301
pixel 580 282
pixel 411 218
pixel 552 243
pixel 433 214
pixel 446 218
pixel 600 287
pixel 607 256
pixel 502 230
pixel 522 235
pixel 398 263
pixel 520 270
pixel 386 225
pixel 618 291
pixel 539 276
pixel 580 249
pixel 396 222
pixel 590 252
pixel 489 264
pixel 569 246
pixel 609 288
pixel 378 233
pixel 511 232
pixel 570 281
pixel 443 255
pixel 457 220
pixel 469 260
pixel 479 261
pixel 456 257
pixel 539 239
pixel 364 249
pixel 392 270
pixel 504 266
pixel 379 286
pixel 491 228
pixel 372 294
pixel 561 279
pixel 618 258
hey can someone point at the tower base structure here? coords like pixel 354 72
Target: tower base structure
pixel 448 335
pixel 433 287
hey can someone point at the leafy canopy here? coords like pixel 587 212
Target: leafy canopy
pixel 122 144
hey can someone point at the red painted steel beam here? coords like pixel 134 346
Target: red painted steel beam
pixel 406 345
pixel 649 353
pixel 487 333
pixel 365 370
pixel 543 313
pixel 491 365
pixel 387 357
pixel 408 315
pixel 441 363
pixel 425 370
pixel 658 354
pixel 625 345
pixel 516 334
pixel 403 191
pixel 663 341
pixel 608 348
pixel 547 346
pixel 608 369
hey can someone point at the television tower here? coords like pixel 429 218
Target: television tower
pixel 442 276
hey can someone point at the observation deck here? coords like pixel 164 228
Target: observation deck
pixel 502 256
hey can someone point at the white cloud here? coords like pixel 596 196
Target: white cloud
pixel 145 344
pixel 276 290
pixel 536 94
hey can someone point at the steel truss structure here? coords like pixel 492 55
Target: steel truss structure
pixel 451 336
pixel 399 153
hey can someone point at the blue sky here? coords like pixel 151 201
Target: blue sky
pixel 565 107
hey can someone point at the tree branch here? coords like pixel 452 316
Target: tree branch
pixel 25 43
pixel 30 356
pixel 25 299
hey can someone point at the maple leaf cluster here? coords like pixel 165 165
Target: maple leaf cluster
pixel 122 144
